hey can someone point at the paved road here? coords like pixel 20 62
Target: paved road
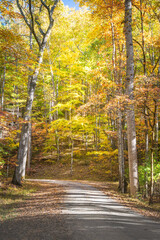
pixel 86 214
pixel 90 215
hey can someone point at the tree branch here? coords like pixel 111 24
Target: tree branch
pixel 45 5
pixel 157 16
pixel 136 7
pixel 155 64
pixel 42 43
pixel 31 26
pixel 54 6
pixel 22 13
pixel 39 27
pixel 50 13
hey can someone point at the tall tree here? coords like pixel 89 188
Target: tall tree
pixel 131 130
pixel 33 21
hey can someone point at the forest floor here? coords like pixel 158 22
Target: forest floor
pixel 28 200
pixel 26 211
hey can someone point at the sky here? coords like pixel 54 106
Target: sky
pixel 70 3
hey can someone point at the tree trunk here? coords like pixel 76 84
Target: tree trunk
pixel 152 169
pixel 57 144
pixel 122 187
pixel 41 41
pixel 156 130
pixel 3 84
pixel 143 44
pixel 146 152
pixel 96 134
pixel 72 148
pixel 86 141
pixel 120 152
pixel 113 52
pixel 29 155
pixel 54 98
pixel 3 79
pixel 131 131
pixel 23 144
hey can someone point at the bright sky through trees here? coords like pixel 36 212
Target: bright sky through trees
pixel 71 4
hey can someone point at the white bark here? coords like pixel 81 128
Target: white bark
pixel 72 148
pixel 3 84
pixel 120 152
pixel 3 79
pixel 57 144
pixel 131 131
pixel 146 151
pixel 29 148
pixel 23 145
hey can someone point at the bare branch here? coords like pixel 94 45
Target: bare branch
pixel 157 16
pixel 33 20
pixel 54 6
pixel 79 49
pixel 50 13
pixel 39 27
pixel 149 109
pixel 32 23
pixel 22 13
pixel 136 7
pixel 155 64
pixel 138 44
pixel 31 14
pixel 31 26
pixel 45 5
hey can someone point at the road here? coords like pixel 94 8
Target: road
pixel 86 214
pixel 90 215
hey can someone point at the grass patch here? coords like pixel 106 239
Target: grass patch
pixel 11 196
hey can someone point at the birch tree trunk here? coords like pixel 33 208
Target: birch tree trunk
pixel 19 173
pixel 146 151
pixel 131 131
pixel 120 152
pixel 152 169
pixel 29 155
pixel 156 130
pixel 72 148
pixel 23 144
pixel 3 84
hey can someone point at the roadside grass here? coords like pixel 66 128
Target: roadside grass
pixel 11 195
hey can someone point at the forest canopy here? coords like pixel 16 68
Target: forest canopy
pixel 81 87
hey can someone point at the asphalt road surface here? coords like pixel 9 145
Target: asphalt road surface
pixel 86 214
pixel 90 215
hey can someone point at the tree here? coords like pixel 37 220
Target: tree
pixel 33 21
pixel 131 130
pixel 84 94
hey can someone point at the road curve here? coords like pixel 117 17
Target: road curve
pixel 88 214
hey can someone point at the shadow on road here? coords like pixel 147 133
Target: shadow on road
pixel 79 227
pixel 86 214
